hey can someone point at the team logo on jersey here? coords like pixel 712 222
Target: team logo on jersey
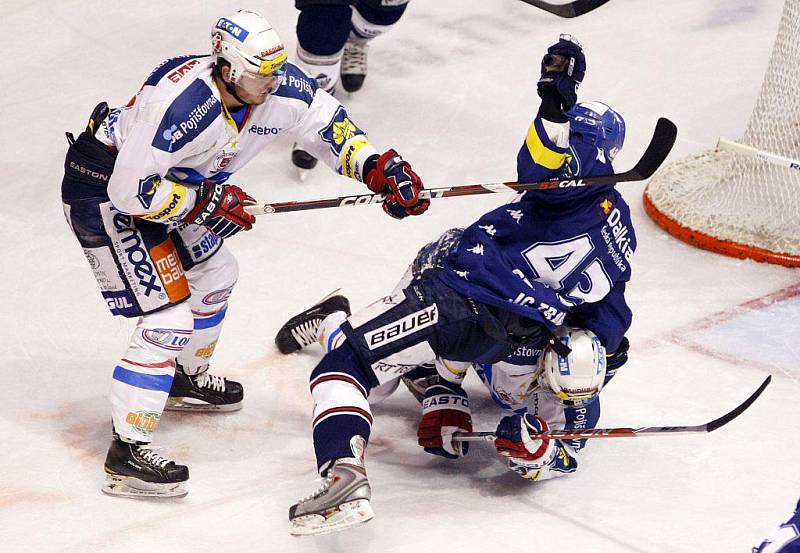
pixel 222 161
pixel 339 130
pixel 606 206
pixel 147 190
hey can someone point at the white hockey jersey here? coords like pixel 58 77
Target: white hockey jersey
pixel 176 132
pixel 514 388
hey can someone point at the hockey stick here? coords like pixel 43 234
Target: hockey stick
pixel 625 432
pixel 658 149
pixel 573 9
pixel 749 151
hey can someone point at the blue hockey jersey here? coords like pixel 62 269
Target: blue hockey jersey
pixel 554 256
pixel 786 539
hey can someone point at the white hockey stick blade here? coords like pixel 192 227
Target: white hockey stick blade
pixel 742 149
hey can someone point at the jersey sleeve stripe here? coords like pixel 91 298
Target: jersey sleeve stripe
pixel 541 149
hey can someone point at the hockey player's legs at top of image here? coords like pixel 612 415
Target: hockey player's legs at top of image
pixel 546 259
pixel 333 37
pixel 146 194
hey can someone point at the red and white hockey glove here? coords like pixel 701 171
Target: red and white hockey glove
pixel 514 439
pixel 445 411
pixel 393 176
pixel 220 207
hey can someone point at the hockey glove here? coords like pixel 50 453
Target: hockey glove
pixel 563 69
pixel 445 411
pixel 615 360
pixel 514 439
pixel 220 207
pixel 393 176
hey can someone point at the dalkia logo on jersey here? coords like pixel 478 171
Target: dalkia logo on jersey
pixel 144 422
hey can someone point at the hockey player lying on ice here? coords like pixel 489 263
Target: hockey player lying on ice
pixel 145 193
pixel 492 297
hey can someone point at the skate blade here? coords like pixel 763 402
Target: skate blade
pixel 346 516
pixel 128 486
pixel 187 404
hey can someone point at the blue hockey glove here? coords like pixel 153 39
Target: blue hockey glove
pixel 393 176
pixel 563 69
pixel 514 439
pixel 445 411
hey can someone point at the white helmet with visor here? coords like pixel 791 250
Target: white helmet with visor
pixel 577 378
pixel 253 49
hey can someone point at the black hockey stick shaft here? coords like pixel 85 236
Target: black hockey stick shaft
pixel 626 432
pixel 572 9
pixel 657 151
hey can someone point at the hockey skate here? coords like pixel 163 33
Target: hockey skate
pixel 303 161
pixel 136 470
pixel 301 330
pixel 203 392
pixel 354 65
pixel 341 502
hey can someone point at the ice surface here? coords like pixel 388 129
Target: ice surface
pixel 453 89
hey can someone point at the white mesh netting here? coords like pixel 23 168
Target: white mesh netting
pixel 741 200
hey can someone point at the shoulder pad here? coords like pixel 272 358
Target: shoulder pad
pixel 188 116
pixel 298 85
pixel 173 69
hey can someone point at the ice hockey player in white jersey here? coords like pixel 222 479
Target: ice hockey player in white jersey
pixel 146 194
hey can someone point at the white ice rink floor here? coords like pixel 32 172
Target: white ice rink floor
pixel 452 88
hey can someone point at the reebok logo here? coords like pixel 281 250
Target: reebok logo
pixel 404 327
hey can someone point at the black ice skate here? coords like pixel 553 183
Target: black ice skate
pixel 354 65
pixel 301 330
pixel 204 392
pixel 303 161
pixel 135 470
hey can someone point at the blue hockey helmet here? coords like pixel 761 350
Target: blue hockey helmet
pixel 598 124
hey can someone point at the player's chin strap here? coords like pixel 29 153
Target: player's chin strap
pixel 229 87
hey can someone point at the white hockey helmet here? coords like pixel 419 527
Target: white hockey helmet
pixel 577 378
pixel 252 48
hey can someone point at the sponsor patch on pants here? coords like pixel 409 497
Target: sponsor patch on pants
pixel 404 327
pixel 144 422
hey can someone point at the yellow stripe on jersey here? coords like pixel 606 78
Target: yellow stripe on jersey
pixel 540 153
pixel 171 206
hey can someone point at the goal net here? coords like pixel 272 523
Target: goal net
pixel 739 206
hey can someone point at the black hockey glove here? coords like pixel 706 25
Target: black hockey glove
pixel 563 69
pixel 615 360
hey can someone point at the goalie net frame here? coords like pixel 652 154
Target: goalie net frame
pixel 713 200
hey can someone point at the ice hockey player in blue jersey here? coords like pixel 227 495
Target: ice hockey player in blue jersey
pixel 511 280
pixel 786 539
pixel 146 193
